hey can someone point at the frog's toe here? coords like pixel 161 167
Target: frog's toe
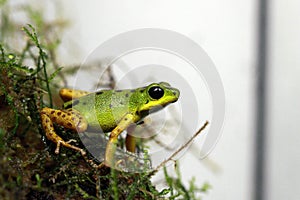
pixel 83 153
pixel 102 166
pixel 72 140
pixel 57 147
pixel 120 164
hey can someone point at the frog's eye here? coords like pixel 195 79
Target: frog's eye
pixel 156 92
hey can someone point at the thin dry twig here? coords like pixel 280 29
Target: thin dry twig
pixel 180 149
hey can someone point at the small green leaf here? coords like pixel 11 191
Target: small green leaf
pixel 51 77
pixel 38 180
pixel 19 180
pixel 165 192
pixel 205 187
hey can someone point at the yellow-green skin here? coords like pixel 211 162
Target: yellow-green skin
pixel 104 109
pixel 107 110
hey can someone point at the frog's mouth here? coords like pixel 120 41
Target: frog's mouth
pixel 173 101
pixel 156 108
pixel 151 110
pixel 162 105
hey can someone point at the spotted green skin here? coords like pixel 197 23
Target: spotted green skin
pixel 104 109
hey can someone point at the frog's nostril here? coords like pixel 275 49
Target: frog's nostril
pixel 176 92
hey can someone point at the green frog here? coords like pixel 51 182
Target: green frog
pixel 108 110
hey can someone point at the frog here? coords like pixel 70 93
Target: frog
pixel 109 110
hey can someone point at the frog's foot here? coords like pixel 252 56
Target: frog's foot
pixel 67 144
pixel 70 119
pixel 120 165
pixel 128 163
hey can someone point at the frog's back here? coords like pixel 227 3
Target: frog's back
pixel 103 109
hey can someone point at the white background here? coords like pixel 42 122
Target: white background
pixel 226 30
pixel 284 102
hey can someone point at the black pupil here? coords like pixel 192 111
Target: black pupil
pixel 156 92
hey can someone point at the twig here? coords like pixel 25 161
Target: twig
pixel 180 149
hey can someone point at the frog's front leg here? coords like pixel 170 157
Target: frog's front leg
pixel 70 119
pixel 125 122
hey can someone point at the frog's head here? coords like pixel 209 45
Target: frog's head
pixel 158 95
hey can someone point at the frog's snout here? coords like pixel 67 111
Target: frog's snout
pixel 176 94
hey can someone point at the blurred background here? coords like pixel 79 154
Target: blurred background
pixel 255 46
